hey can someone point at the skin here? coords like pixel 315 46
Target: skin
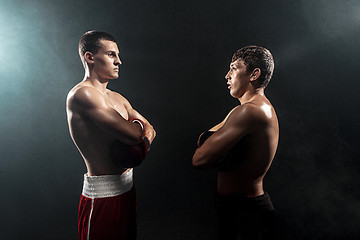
pixel 250 129
pixel 98 116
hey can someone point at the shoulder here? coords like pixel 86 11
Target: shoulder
pixel 84 95
pixel 247 110
pixel 251 113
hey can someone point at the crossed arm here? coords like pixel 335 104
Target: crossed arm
pixel 238 124
pixel 90 103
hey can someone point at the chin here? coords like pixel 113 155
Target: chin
pixel 232 94
pixel 237 94
pixel 115 77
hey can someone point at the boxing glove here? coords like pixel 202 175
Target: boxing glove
pixel 129 156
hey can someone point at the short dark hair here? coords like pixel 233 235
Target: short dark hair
pixel 90 42
pixel 256 57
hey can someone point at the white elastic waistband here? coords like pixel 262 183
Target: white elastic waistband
pixel 107 185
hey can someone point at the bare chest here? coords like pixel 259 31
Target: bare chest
pixel 118 105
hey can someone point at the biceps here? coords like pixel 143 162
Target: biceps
pixel 108 119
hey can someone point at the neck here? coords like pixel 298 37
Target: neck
pixel 95 81
pixel 250 95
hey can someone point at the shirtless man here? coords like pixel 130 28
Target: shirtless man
pixel 112 138
pixel 243 146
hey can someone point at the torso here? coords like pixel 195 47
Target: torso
pixel 254 152
pixel 92 141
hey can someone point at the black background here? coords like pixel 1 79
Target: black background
pixel 175 55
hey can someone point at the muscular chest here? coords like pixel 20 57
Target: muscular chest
pixel 118 106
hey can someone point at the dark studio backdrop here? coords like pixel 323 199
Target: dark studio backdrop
pixel 175 55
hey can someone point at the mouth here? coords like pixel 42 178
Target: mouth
pixel 229 85
pixel 116 69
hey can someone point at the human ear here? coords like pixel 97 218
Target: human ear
pixel 89 57
pixel 255 74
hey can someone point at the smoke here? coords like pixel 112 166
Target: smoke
pixel 315 176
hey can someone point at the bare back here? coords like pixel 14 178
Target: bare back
pixel 250 132
pixel 254 153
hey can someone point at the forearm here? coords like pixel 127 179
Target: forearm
pixel 212 146
pixel 134 134
pixel 91 104
pixel 203 159
pixel 127 132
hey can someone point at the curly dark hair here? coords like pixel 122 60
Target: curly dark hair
pixel 256 57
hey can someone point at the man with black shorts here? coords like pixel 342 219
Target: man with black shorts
pixel 112 138
pixel 242 147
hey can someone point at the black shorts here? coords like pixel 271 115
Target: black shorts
pixel 245 218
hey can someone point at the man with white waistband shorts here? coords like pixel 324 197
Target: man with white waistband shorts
pixel 242 147
pixel 112 138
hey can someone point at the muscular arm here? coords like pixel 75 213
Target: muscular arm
pixel 90 103
pixel 238 124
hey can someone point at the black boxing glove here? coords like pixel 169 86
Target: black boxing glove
pixel 203 137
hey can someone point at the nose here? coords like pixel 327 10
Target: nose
pixel 117 61
pixel 227 77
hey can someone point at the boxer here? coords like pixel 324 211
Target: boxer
pixel 242 147
pixel 112 138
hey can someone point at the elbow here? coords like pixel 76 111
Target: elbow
pixel 200 163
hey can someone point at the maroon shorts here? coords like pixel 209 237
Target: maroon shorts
pixel 107 218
